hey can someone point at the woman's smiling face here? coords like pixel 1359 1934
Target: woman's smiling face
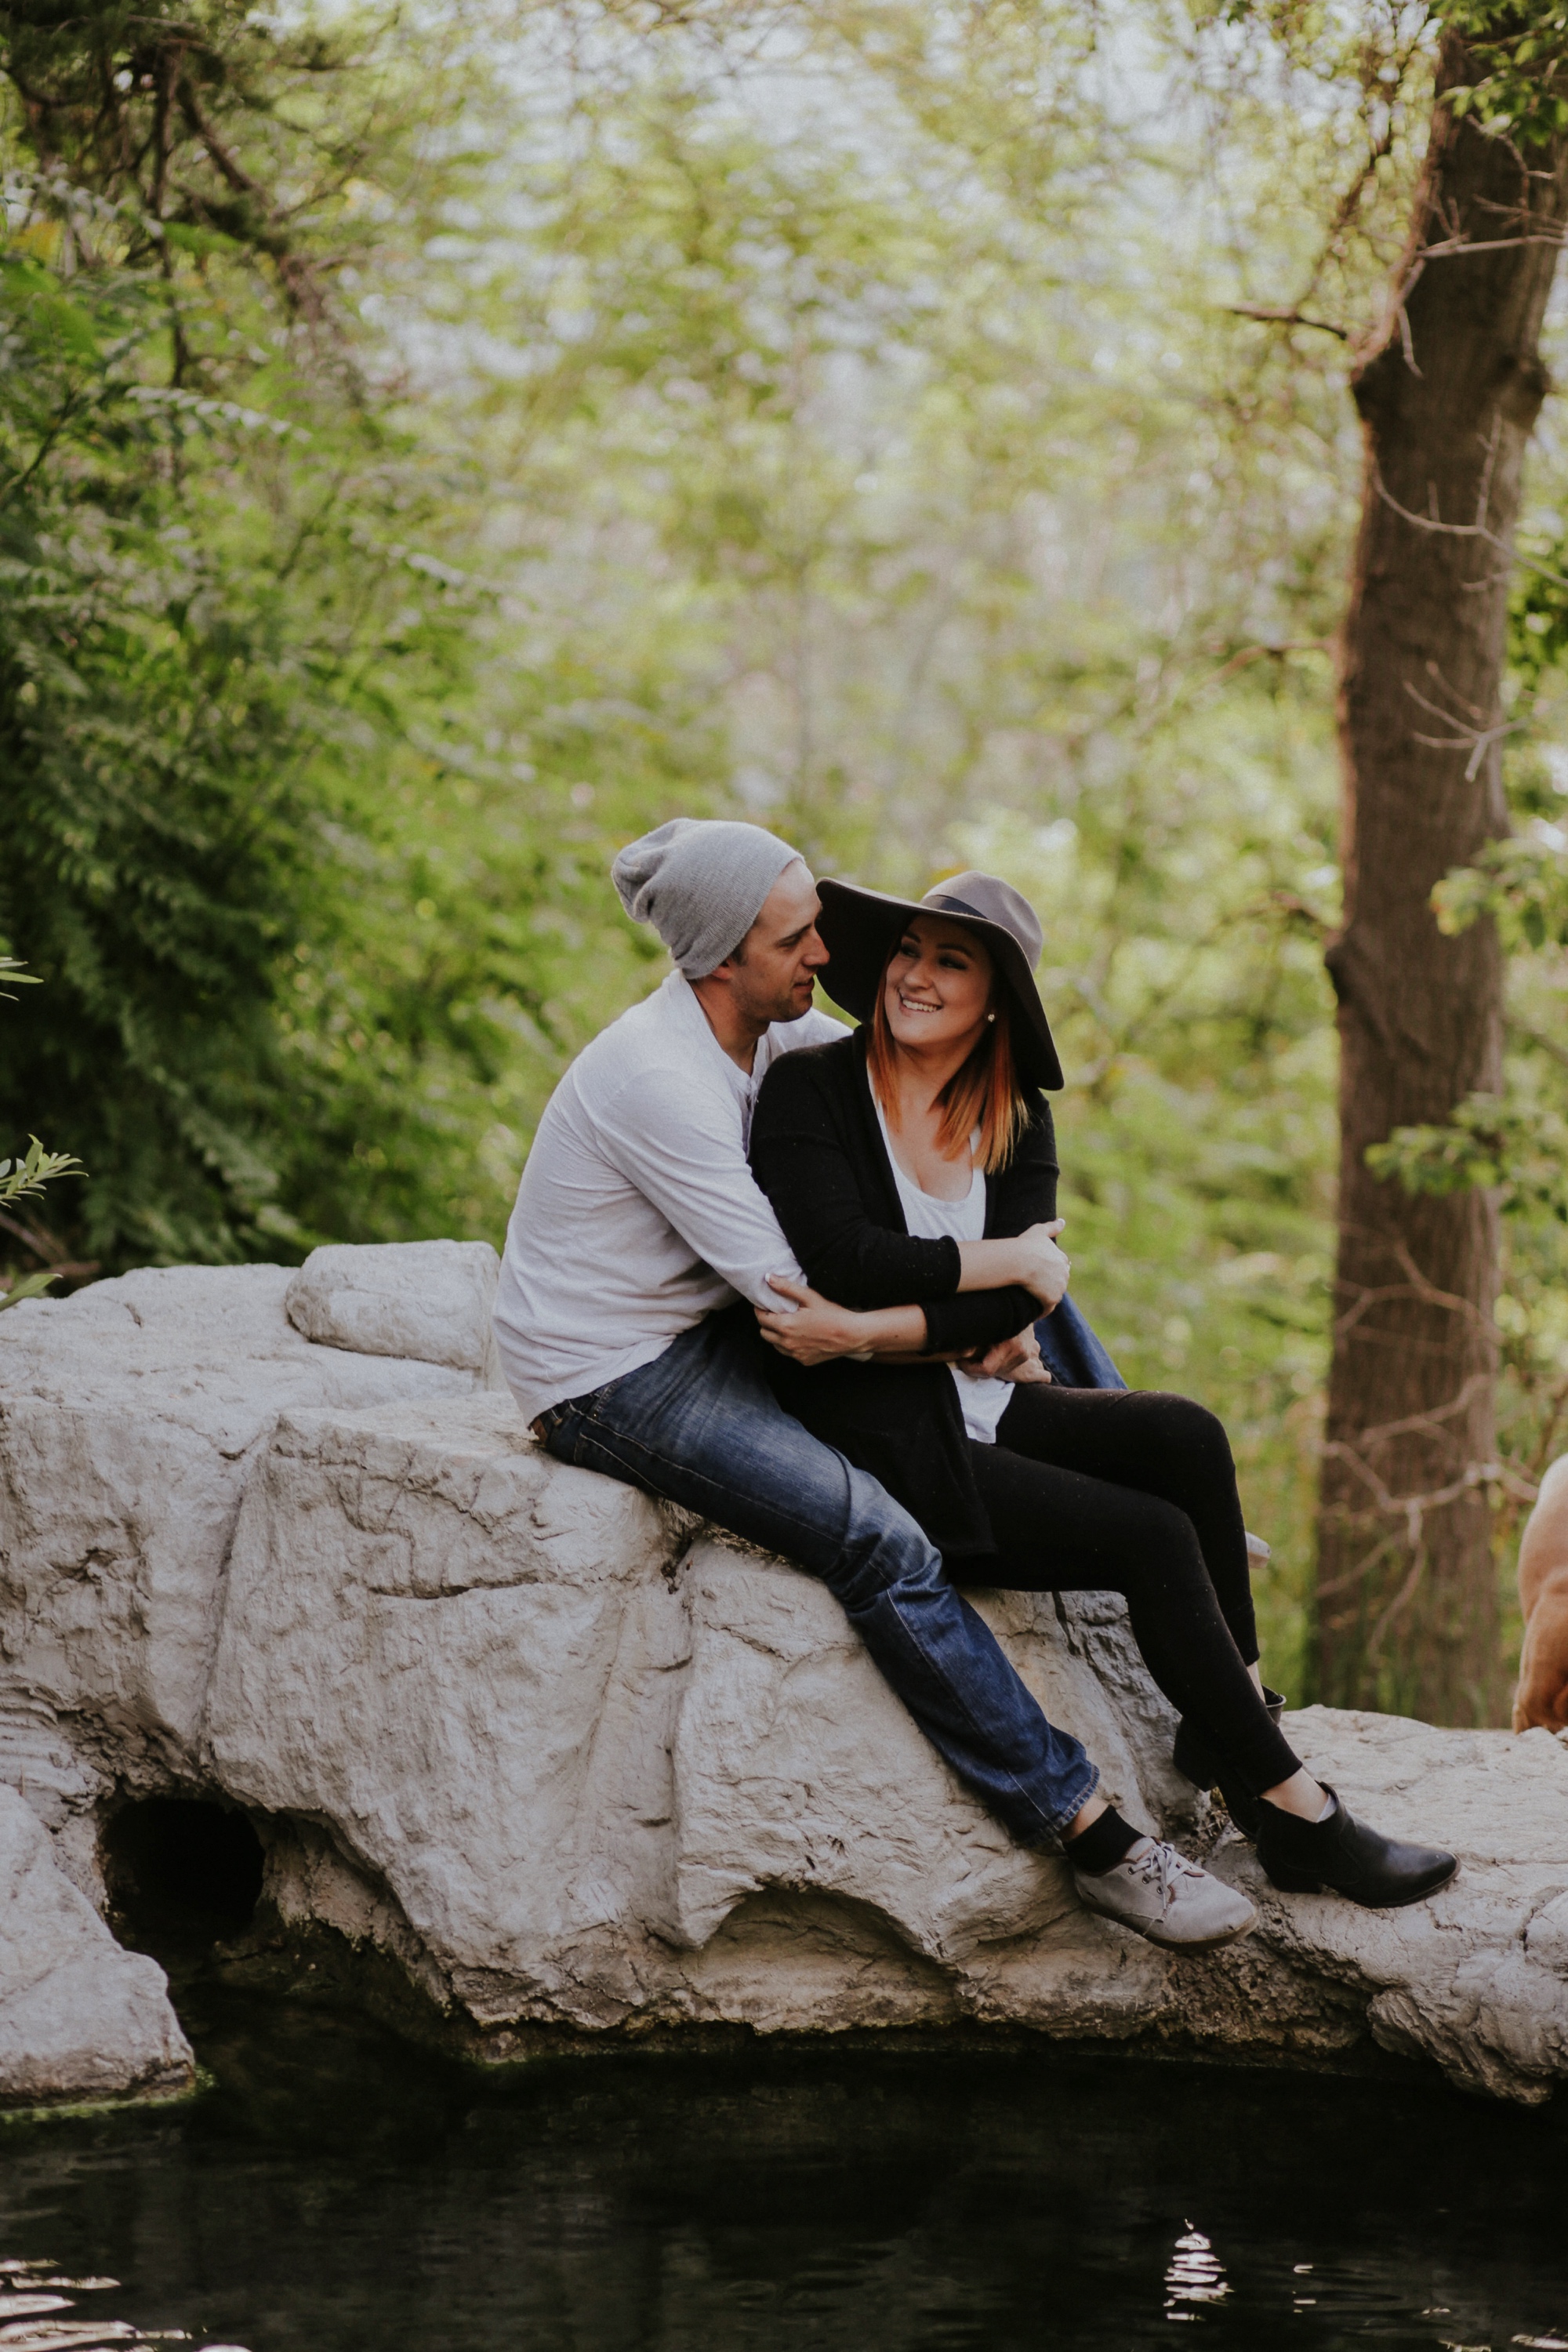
pixel 937 989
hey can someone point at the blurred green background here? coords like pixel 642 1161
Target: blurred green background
pixel 437 446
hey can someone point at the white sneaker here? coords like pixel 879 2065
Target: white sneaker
pixel 1159 1894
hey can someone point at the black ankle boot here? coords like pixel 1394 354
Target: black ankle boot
pixel 1194 1755
pixel 1348 1858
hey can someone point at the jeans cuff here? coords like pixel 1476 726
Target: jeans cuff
pixel 1052 1840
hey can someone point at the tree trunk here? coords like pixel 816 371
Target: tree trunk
pixel 1407 1607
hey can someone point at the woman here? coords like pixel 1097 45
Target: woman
pixel 916 1160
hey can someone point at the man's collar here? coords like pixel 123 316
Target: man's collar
pixel 685 996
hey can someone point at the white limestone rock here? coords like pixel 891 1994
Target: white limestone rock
pixel 567 1747
pixel 464 1660
pixel 1478 1977
pixel 575 1763
pixel 573 1768
pixel 79 2018
pixel 428 1300
pixel 794 1767
pixel 130 1415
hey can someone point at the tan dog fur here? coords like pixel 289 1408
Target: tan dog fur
pixel 1542 1694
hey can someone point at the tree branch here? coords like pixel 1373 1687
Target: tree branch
pixel 1279 314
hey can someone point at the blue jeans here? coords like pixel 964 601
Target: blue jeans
pixel 700 1425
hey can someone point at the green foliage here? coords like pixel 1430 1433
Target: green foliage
pixel 1519 48
pixel 24 1178
pixel 20 1179
pixel 1520 881
pixel 285 896
pixel 183 671
pixel 1522 90
pixel 1515 1144
pixel 433 450
pixel 1517 1149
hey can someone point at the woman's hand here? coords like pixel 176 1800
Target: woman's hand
pixel 817 1332
pixel 1031 1261
pixel 1042 1266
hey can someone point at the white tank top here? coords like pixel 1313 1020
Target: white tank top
pixel 983 1401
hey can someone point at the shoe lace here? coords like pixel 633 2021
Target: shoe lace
pixel 1164 1867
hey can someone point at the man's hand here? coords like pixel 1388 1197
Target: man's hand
pixel 817 1332
pixel 1016 1360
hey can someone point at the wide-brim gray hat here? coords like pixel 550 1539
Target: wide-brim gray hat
pixel 861 927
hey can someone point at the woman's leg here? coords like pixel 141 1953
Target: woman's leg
pixel 1159 1445
pixel 1061 1530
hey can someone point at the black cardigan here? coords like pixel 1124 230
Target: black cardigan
pixel 817 1152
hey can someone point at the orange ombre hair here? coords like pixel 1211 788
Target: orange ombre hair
pixel 983 1092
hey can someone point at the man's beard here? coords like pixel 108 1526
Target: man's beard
pixel 782 1007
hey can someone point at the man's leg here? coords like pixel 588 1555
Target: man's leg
pixel 701 1426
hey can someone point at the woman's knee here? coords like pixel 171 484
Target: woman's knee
pixel 1193 1443
pixel 1196 1427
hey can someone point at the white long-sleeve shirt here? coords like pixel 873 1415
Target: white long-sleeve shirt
pixel 637 1213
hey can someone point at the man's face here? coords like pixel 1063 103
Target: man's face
pixel 782 953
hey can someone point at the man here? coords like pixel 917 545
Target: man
pixel 639 1247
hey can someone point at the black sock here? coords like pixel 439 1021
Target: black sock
pixel 1104 1844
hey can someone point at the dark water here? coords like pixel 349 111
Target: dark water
pixel 336 2193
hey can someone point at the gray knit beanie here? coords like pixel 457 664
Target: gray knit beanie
pixel 700 882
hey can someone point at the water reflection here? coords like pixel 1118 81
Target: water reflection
pixel 338 2194
pixel 1196 2275
pixel 30 2297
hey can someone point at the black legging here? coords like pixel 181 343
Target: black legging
pixel 1108 1490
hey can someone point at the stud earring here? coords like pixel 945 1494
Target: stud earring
pixel 991 1016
